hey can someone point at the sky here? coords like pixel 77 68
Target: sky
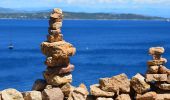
pixel 145 7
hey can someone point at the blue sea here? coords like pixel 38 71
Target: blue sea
pixel 104 48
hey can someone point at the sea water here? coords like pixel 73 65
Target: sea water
pixel 104 48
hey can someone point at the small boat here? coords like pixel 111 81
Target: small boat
pixel 10 46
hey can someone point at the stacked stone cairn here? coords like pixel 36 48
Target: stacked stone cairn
pixel 155 85
pixel 58 77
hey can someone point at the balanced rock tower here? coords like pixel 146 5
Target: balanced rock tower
pixel 57 75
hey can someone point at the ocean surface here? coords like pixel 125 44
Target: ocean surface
pixel 104 48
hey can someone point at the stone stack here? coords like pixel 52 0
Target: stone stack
pixel 58 77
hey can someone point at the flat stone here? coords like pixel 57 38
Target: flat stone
pixel 164 70
pixel 96 91
pixel 156 50
pixel 115 84
pixel 11 94
pixel 156 77
pixel 56 16
pixel 67 89
pixel 57 10
pixel 60 70
pixel 57 60
pixel 39 85
pixel 138 84
pixel 56 25
pixel 60 49
pixel 55 38
pixel 123 97
pixel 157 62
pixel 163 97
pixel 168 80
pixel 57 80
pixel 103 98
pixel 146 96
pixel 163 86
pixel 53 32
pixel 153 69
pixel 52 94
pixel 32 95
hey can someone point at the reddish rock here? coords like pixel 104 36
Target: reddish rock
pixel 60 48
pixel 139 85
pixel 156 77
pixel 153 69
pixel 123 97
pixel 96 91
pixel 53 32
pixel 55 38
pixel 115 84
pixel 156 50
pixel 57 61
pixel 39 85
pixel 52 94
pixel 57 80
pixel 60 70
pixel 146 96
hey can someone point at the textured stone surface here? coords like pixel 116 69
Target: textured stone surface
pixel 39 85
pixel 156 50
pixel 162 61
pixel 96 91
pixel 57 61
pixel 55 38
pixel 60 48
pixel 115 84
pixel 138 84
pixel 123 97
pixel 32 95
pixel 156 77
pixel 56 16
pixel 76 96
pixel 11 94
pixel 146 96
pixel 53 32
pixel 67 89
pixel 163 97
pixel 163 86
pixel 52 94
pixel 57 80
pixel 153 69
pixel 164 70
pixel 57 10
pixel 102 98
pixel 56 25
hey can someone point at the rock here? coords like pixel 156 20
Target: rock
pixel 115 84
pixel 53 32
pixel 56 25
pixel 32 95
pixel 60 49
pixel 164 70
pixel 39 85
pixel 90 97
pixel 76 96
pixel 163 97
pixel 57 10
pixel 146 96
pixel 57 80
pixel 56 16
pixel 96 91
pixel 11 94
pixel 139 85
pixel 163 86
pixel 55 38
pixel 48 87
pixel 153 69
pixel 60 70
pixel 156 77
pixel 123 97
pixel 82 90
pixel 102 98
pixel 157 62
pixel 57 61
pixel 156 50
pixel 67 89
pixel 168 80
pixel 52 94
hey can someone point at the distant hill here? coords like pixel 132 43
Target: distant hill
pixel 13 14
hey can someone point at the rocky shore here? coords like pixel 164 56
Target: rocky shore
pixel 56 85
